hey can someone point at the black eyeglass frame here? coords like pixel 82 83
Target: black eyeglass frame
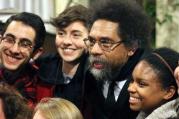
pixel 26 45
pixel 111 45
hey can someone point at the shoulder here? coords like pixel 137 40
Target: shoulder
pixel 166 111
pixel 47 62
pixel 48 66
pixel 47 58
pixel 146 52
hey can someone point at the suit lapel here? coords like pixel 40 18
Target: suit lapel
pixel 123 96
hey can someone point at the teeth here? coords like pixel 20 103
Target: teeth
pixel 11 59
pixel 67 50
pixel 134 99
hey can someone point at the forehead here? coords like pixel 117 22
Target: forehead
pixel 144 71
pixel 21 30
pixel 75 26
pixel 104 28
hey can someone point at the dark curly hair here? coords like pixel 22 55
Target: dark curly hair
pixel 134 28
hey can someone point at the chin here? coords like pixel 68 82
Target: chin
pixel 69 59
pixel 134 108
pixel 12 67
pixel 97 73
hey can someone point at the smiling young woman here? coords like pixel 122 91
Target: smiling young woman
pixel 153 90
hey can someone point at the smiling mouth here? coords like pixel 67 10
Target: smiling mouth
pixel 134 100
pixel 68 51
pixel 11 59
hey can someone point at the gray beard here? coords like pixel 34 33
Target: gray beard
pixel 109 72
pixel 105 74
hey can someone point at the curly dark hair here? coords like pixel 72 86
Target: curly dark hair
pixel 134 27
pixel 14 105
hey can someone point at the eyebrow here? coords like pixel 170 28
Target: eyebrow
pixel 76 31
pixel 13 36
pixel 140 79
pixel 106 38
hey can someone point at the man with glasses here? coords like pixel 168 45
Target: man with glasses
pixel 22 39
pixel 117 40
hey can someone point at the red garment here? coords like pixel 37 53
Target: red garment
pixel 44 90
pixel 27 83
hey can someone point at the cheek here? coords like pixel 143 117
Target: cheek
pixel 28 54
pixel 2 47
pixel 80 44
pixel 116 59
pixel 146 93
pixel 26 57
pixel 150 99
pixel 58 41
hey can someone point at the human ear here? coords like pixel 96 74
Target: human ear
pixel 131 51
pixel 170 92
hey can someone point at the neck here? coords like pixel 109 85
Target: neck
pixel 69 68
pixel 17 71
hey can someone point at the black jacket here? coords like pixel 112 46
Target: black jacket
pixel 50 72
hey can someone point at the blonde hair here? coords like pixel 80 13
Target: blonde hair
pixel 58 108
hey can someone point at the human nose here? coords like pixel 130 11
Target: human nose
pixel 15 47
pixel 96 49
pixel 132 87
pixel 67 39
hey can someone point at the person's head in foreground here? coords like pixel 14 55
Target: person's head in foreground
pixel 153 81
pixel 56 108
pixel 12 104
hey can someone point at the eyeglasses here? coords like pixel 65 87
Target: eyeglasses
pixel 105 44
pixel 23 44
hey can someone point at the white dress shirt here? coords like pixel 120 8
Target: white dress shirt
pixel 117 88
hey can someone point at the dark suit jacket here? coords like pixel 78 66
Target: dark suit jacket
pixel 96 103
